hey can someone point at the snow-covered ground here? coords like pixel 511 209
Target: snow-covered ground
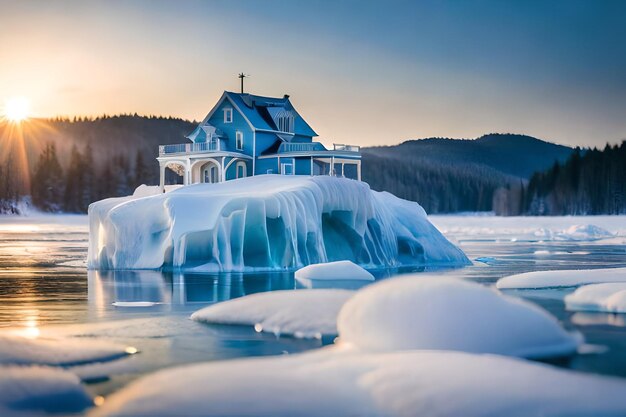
pixel 266 222
pixel 607 229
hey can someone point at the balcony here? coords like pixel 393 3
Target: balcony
pixel 186 148
pixel 301 147
pixel 346 148
pixel 315 147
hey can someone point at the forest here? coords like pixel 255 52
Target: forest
pixel 73 162
pixel 588 182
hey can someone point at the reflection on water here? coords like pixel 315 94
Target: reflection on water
pixel 112 291
pixel 44 280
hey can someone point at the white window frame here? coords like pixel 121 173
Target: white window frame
pixel 285 123
pixel 242 165
pixel 228 115
pixel 239 140
pixel 284 165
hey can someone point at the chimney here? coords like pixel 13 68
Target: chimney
pixel 286 96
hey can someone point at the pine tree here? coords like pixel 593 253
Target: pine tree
pixel 47 186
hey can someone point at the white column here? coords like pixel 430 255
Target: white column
pixel 279 165
pixel 311 166
pixel 342 166
pixel 161 177
pixel 223 171
pixel 332 165
pixel 253 153
pixel 358 171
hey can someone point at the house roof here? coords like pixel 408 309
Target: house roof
pixel 259 110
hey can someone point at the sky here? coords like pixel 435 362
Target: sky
pixel 360 72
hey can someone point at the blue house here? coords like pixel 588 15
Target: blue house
pixel 245 135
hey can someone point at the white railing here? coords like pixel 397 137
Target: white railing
pixel 346 148
pixel 213 145
pixel 300 147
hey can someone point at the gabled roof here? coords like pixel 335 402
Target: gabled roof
pixel 259 112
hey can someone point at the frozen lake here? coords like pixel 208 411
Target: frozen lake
pixel 45 289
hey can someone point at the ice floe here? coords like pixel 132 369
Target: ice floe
pixel 340 274
pixel 29 390
pixel 266 222
pixel 20 350
pixel 444 313
pixel 341 382
pixel 607 298
pixel 298 313
pixel 561 278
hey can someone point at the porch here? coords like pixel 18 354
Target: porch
pixel 204 167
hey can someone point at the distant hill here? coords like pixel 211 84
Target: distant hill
pixel 510 154
pixel 444 175
pixel 451 175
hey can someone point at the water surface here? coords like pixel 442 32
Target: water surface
pixel 45 289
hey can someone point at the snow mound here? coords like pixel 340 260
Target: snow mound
pixel 449 314
pixel 340 274
pixel 147 190
pixel 19 350
pixel 608 298
pixel 331 382
pixel 299 313
pixel 561 278
pixel 266 222
pixel 340 270
pixel 587 232
pixel 39 389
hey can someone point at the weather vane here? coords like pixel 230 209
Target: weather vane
pixel 242 76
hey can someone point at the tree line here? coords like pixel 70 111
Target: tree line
pixel 438 188
pixel 71 190
pixel 588 182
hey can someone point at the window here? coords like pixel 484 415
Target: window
pixel 241 169
pixel 284 122
pixel 239 140
pixel 286 168
pixel 228 115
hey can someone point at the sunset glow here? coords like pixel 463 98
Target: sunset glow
pixel 16 109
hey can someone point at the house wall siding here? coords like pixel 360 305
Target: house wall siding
pixel 263 165
pixel 229 130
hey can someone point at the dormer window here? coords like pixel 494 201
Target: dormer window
pixel 228 115
pixel 239 140
pixel 284 122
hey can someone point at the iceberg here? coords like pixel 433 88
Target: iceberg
pixel 450 314
pixel 266 222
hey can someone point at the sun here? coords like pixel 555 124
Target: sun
pixel 16 109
